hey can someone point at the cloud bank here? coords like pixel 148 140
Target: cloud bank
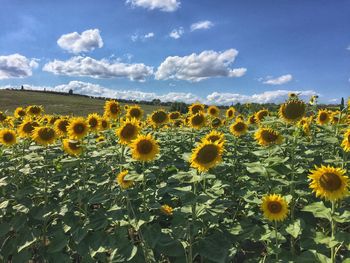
pixel 16 66
pixel 162 5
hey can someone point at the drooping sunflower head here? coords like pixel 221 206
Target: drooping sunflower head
pixel 196 108
pixel 100 138
pixel 267 136
pixel 26 127
pixel 292 110
pixel 128 131
pixel 112 109
pixel 61 126
pixel 274 207
pixel 214 136
pixel 174 115
pixel 93 121
pixel 213 111
pixel 77 128
pixel 323 117
pixel 8 137
pixel 230 113
pixel 72 147
pixel 20 112
pixel 34 110
pixel 251 119
pixel 329 182
pixel 158 118
pixel 346 141
pixel 197 120
pixel 167 210
pixel 144 148
pixel 239 128
pixel 313 100
pixel 206 155
pixel 216 123
pixel 261 114
pixel 122 182
pixel 44 135
pixel 134 111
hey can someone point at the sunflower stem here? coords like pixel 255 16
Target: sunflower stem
pixel 191 226
pixel 276 240
pixel 333 228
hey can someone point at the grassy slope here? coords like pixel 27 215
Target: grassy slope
pixel 55 103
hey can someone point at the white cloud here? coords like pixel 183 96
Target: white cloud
pixel 197 67
pixel 135 37
pixel 279 80
pixel 348 48
pixel 89 67
pixel 202 25
pixel 149 35
pixel 177 33
pixel 16 66
pixel 84 42
pixel 163 5
pixel 217 98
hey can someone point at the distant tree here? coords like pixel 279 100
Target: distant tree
pixel 156 102
pixel 22 87
pixel 342 105
pixel 179 106
pixel 70 92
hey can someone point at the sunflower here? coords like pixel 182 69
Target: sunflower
pixel 93 121
pixel 335 117
pixel 61 127
pixel 144 148
pixel 174 115
pixel 260 115
pixel 72 147
pixel 216 123
pixel 124 184
pixel 323 117
pixel 159 118
pixel 239 128
pixel 206 155
pixel 274 207
pixel 230 113
pixel 77 128
pixel 329 182
pixel 251 119
pixel 2 116
pixel 197 120
pixel 112 109
pixel 100 138
pixel 20 112
pixel 134 111
pixel 26 127
pixel 195 108
pixel 167 210
pixel 292 95
pixel 292 111
pixel 44 135
pixel 267 136
pixel 104 123
pixel 34 110
pixel 128 131
pixel 213 111
pixel 346 141
pixel 214 136
pixel 8 137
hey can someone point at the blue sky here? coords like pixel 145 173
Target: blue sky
pixel 213 51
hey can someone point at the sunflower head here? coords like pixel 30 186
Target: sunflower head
pixel 20 112
pixel 196 108
pixel 292 110
pixel 26 127
pixel 128 131
pixel 134 111
pixel 77 128
pixel 323 117
pixel 251 119
pixel 144 148
pixel 268 136
pixel 292 95
pixel 329 182
pixel 274 207
pixel 72 147
pixel 174 115
pixel 34 110
pixel 3 116
pixel 158 118
pixel 61 126
pixel 260 115
pixel 216 123
pixel 167 210
pixel 346 141
pixel 93 121
pixel 230 113
pixel 206 155
pixel 44 135
pixel 100 138
pixel 112 109
pixel 122 182
pixel 335 117
pixel 213 111
pixel 104 123
pixel 8 137
pixel 239 128
pixel 197 120
pixel 214 136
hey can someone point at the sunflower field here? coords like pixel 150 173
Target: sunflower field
pixel 207 186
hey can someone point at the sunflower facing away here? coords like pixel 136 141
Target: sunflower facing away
pixel 195 108
pixel 8 137
pixel 124 184
pixel 260 115
pixel 128 131
pixel 144 148
pixel 167 210
pixel 274 207
pixel 267 136
pixel 77 128
pixel 292 110
pixel 214 136
pixel 159 118
pixel 346 141
pixel 230 113
pixel 213 111
pixel 134 111
pixel 72 147
pixel 239 128
pixel 206 155
pixel 329 182
pixel 93 121
pixel 61 127
pixel 44 135
pixel 112 109
pixel 323 117
pixel 197 121
pixel 26 128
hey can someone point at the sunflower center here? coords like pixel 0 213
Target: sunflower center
pixel 114 108
pixel 159 117
pixel 323 116
pixel 62 125
pixel 21 113
pixel 128 131
pixel 330 182
pixel 274 207
pixel 144 147
pixel 230 113
pixel 74 145
pixel 269 136
pixel 196 109
pixel 93 122
pixel 294 110
pixel 208 154
pixel 212 111
pixel 104 124
pixel 35 110
pixel 214 138
pixel 28 127
pixel 197 119
pixel 174 115
pixel 262 115
pixel 216 122
pixel 79 128
pixel 135 113
pixel 8 137
pixel 46 134
pixel 239 126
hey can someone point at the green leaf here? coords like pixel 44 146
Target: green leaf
pixel 319 210
pixel 294 229
pixel 4 204
pixel 59 241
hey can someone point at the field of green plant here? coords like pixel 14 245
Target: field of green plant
pixel 165 187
